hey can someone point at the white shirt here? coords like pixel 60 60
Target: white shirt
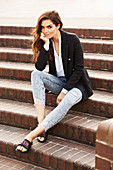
pixel 58 61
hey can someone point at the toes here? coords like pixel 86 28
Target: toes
pixel 24 149
pixel 41 138
pixel 21 148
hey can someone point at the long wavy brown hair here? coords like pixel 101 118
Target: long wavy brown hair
pixel 37 42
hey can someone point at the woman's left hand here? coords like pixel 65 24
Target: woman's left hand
pixel 60 97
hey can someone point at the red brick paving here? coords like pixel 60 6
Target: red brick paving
pixel 7 163
pixel 58 148
pixel 77 126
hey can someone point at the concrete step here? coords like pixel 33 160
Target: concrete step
pixel 9 163
pixel 89 45
pixel 22 71
pixel 100 103
pixel 55 153
pixel 16 55
pixel 75 126
pixel 81 32
pixel 98 61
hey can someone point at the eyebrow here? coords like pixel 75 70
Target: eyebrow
pixel 47 25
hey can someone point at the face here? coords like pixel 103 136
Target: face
pixel 49 29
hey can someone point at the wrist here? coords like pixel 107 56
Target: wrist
pixel 46 46
pixel 64 91
pixel 47 42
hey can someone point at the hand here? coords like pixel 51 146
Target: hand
pixel 42 37
pixel 60 97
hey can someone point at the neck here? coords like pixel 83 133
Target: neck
pixel 56 37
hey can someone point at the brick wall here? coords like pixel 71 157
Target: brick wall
pixel 104 146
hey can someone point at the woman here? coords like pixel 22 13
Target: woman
pixel 67 76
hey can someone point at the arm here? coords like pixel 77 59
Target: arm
pixel 42 58
pixel 77 73
pixel 60 97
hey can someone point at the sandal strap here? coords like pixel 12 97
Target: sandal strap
pixel 26 144
pixel 43 134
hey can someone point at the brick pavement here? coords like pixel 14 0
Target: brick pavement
pixel 13 164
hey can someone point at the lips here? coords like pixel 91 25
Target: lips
pixel 46 35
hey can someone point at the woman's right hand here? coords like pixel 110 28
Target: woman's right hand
pixel 42 37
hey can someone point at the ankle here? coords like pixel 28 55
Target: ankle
pixel 41 118
pixel 28 138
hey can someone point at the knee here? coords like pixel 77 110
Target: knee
pixel 74 96
pixel 76 92
pixel 35 75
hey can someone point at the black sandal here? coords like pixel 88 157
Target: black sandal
pixel 26 144
pixel 44 135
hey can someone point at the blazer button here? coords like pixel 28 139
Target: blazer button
pixel 73 69
pixel 69 59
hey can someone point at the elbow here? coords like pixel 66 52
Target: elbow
pixel 79 68
pixel 38 67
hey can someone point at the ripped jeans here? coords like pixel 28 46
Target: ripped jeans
pixel 41 80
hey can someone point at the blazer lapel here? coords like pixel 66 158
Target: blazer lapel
pixel 64 49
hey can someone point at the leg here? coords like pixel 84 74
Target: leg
pixel 32 135
pixel 72 97
pixel 39 81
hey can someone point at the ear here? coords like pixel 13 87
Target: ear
pixel 58 26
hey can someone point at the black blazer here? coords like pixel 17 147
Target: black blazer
pixel 73 64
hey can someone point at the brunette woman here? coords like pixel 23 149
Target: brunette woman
pixel 67 76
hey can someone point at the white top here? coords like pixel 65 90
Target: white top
pixel 58 61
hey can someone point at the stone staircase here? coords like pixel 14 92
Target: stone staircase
pixel 71 143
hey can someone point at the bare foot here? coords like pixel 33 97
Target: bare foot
pixel 24 146
pixel 40 139
pixel 21 148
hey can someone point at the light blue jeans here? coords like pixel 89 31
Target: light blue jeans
pixel 41 80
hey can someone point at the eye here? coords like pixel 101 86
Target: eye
pixel 49 26
pixel 42 27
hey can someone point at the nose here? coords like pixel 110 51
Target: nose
pixel 45 30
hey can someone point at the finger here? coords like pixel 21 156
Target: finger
pixel 41 35
pixel 57 102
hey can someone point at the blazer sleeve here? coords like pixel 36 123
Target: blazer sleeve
pixel 77 66
pixel 42 60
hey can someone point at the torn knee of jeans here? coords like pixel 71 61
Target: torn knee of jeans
pixel 74 93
